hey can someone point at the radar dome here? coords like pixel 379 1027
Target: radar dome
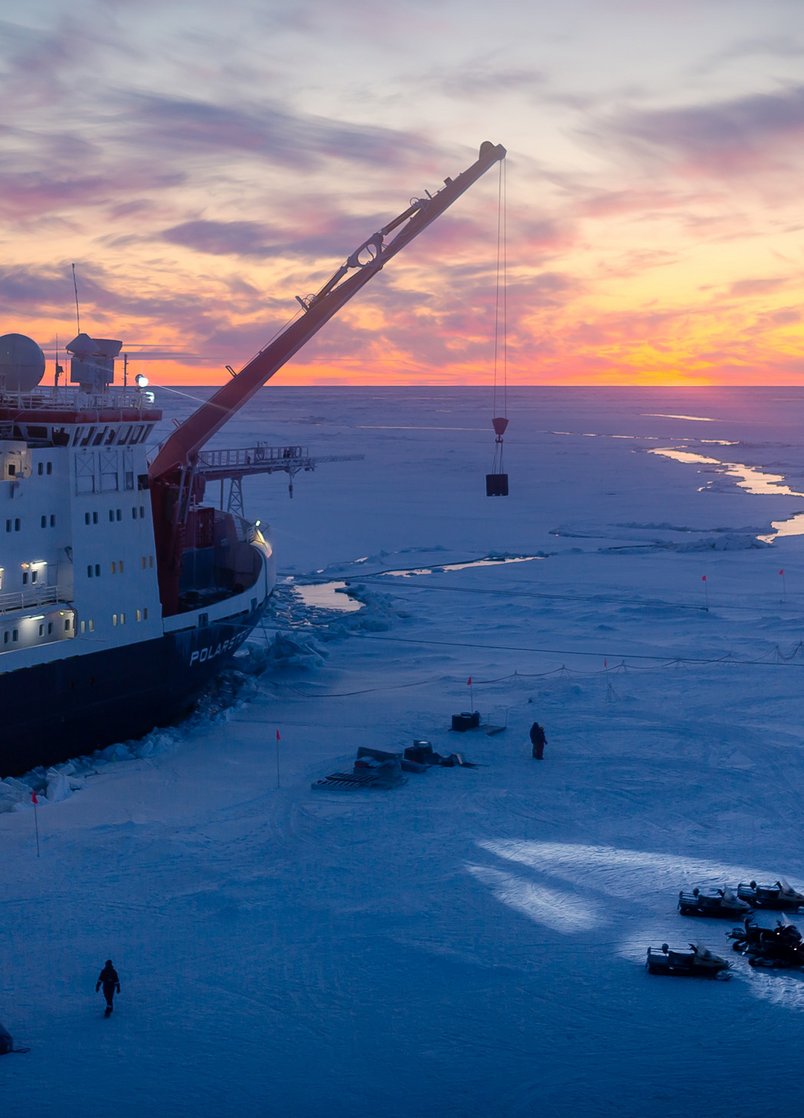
pixel 22 363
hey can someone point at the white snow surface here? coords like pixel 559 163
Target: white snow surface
pixel 471 943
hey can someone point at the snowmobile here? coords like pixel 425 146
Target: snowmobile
pixel 698 962
pixel 781 946
pixel 779 896
pixel 715 902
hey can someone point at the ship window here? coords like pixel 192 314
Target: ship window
pixel 98 438
pixel 86 518
pixel 94 518
pixel 138 615
pixel 203 620
pixel 34 575
pixel 41 630
pixel 1 578
pixel 44 522
pixel 24 578
pixel 50 467
pixel 142 481
pixel 66 624
pixel 50 627
pixel 145 614
pixel 129 479
pixel 82 627
pixel 52 520
pixel 124 434
pixel 114 567
pixel 119 514
pixel 40 469
pixel 110 436
pixel 8 525
pixel 121 566
pixel 97 569
pixel 91 625
pixel 114 619
pixel 5 637
pixel 111 514
pixel 87 439
pixel 15 634
pixel 142 512
pixel 122 619
pixel 150 560
pixel 89 570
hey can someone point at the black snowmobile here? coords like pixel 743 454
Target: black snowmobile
pixel 715 902
pixel 779 896
pixel 698 962
pixel 779 947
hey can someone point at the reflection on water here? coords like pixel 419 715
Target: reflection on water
pixel 327 595
pixel 750 479
pixel 793 526
pixel 755 481
pixel 489 562
pixel 691 418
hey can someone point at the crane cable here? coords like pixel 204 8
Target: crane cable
pixel 499 419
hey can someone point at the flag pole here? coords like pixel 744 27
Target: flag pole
pixel 35 801
pixel 277 758
pixel 471 694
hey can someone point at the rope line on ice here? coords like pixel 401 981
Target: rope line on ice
pixel 780 658
pixel 620 668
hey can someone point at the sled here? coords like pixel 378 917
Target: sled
pixel 382 775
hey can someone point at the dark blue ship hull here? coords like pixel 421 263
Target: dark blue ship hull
pixel 71 707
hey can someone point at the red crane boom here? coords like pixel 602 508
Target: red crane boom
pixel 174 483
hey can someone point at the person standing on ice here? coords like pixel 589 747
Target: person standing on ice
pixel 538 739
pixel 110 982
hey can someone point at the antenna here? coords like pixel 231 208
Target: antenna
pixel 77 315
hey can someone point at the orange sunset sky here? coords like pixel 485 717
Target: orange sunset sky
pixel 202 165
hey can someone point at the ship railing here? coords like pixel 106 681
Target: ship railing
pixel 73 399
pixel 244 458
pixel 26 599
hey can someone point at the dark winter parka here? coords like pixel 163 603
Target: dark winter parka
pixel 108 978
pixel 538 739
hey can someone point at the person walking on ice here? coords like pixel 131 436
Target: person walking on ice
pixel 538 739
pixel 110 982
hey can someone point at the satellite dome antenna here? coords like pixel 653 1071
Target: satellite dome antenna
pixel 497 480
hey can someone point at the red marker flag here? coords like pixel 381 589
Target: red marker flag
pixel 469 682
pixel 703 578
pixel 277 736
pixel 781 572
pixel 34 798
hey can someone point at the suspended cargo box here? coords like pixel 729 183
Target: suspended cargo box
pixel 496 485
